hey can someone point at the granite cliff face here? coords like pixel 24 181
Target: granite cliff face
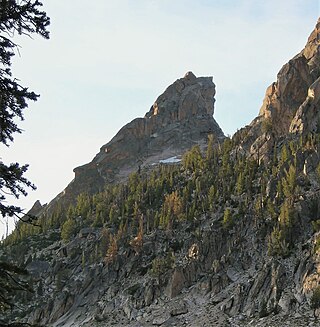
pixel 180 118
pixel 291 104
pixel 292 97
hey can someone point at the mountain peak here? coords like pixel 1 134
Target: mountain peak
pixel 181 98
pixel 181 117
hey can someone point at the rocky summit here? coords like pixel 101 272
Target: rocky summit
pixel 174 224
pixel 180 117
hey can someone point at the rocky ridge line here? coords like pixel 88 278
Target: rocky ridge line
pixel 180 117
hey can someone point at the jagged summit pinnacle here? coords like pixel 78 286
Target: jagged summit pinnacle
pixel 182 96
pixel 181 117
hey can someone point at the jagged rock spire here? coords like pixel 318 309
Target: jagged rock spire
pixel 179 118
pixel 290 102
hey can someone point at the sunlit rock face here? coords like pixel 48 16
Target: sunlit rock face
pixel 180 117
pixel 291 102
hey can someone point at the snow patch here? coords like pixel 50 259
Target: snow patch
pixel 170 160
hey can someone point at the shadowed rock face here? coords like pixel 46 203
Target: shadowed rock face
pixel 181 117
pixel 291 101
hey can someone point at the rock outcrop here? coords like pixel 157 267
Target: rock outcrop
pixel 292 100
pixel 180 118
pixel 291 104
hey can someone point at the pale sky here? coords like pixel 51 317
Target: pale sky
pixel 108 60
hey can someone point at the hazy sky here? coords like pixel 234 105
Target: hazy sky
pixel 108 60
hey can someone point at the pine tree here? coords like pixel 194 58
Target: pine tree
pixel 23 18
pixel 68 229
pixel 240 183
pixel 210 150
pixel 227 219
pixel 289 182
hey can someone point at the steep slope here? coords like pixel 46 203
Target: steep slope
pixel 180 118
pixel 221 239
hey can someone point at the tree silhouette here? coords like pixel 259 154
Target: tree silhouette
pixel 22 17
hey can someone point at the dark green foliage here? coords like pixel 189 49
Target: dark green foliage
pixel 223 184
pixel 277 245
pixel 284 154
pixel 289 182
pixel 193 160
pixel 161 265
pixel 266 126
pixel 13 183
pixel 316 225
pixel 172 194
pixel 11 282
pixel 25 18
pixel 315 298
pixel 68 229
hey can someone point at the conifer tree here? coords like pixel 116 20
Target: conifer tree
pixel 68 229
pixel 227 219
pixel 289 182
pixel 22 17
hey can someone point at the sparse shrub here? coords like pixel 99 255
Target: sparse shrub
pixel 137 242
pixel 315 298
pixel 277 245
pixel 227 219
pixel 316 225
pixel 172 210
pixel 263 312
pixel 68 229
pixel 317 245
pixel 112 249
pixel 161 265
pixel 266 126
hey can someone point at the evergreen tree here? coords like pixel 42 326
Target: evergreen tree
pixel 240 183
pixel 210 150
pixel 24 18
pixel 227 219
pixel 289 182
pixel 68 230
pixel 193 160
